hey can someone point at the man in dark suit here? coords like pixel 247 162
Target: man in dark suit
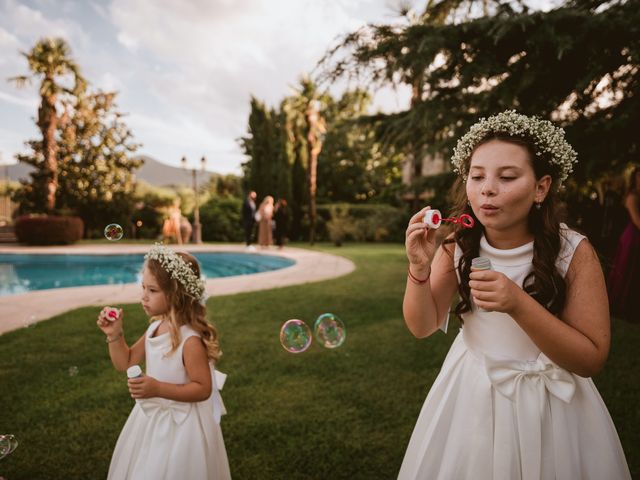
pixel 248 217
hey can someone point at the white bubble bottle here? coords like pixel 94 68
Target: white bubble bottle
pixel 134 371
pixel 478 264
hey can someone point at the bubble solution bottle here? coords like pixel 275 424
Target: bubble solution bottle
pixel 478 264
pixel 134 371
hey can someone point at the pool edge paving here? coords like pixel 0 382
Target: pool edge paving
pixel 16 311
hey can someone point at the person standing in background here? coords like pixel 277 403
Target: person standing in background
pixel 248 217
pixel 624 278
pixel 265 213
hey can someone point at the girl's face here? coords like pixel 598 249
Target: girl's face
pixel 502 186
pixel 154 300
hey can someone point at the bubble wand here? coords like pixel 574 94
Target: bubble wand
pixel 433 219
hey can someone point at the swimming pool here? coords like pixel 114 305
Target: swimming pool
pixel 20 273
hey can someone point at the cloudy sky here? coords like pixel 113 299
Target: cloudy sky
pixel 185 69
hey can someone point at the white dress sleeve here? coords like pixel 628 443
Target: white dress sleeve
pixel 569 241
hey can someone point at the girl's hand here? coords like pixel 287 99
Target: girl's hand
pixel 109 325
pixel 420 244
pixel 143 387
pixel 494 291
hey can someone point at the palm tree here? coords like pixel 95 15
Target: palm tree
pixel 303 112
pixel 50 61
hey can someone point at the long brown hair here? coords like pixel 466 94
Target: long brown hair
pixel 633 185
pixel 184 309
pixel 545 283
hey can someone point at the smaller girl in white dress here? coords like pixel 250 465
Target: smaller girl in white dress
pixel 173 430
pixel 514 399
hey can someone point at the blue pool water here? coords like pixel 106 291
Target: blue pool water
pixel 23 273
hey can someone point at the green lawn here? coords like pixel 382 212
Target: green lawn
pixel 345 413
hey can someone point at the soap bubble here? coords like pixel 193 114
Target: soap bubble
pixel 8 444
pixel 295 336
pixel 73 371
pixel 30 321
pixel 329 330
pixel 113 232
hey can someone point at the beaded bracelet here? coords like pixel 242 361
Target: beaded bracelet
pixel 416 280
pixel 117 337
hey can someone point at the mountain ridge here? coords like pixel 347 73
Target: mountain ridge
pixel 153 172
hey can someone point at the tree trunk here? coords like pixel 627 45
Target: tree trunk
pixel 314 147
pixel 312 181
pixel 48 123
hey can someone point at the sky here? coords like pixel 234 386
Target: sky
pixel 185 70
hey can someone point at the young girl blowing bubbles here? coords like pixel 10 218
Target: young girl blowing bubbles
pixel 173 430
pixel 514 398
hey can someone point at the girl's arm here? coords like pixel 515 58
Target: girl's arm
pixel 425 306
pixel 122 356
pixel 631 203
pixel 196 362
pixel 579 342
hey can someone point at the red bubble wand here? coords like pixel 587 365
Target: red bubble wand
pixel 433 219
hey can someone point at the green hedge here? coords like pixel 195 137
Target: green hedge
pixel 48 229
pixel 360 222
pixel 221 220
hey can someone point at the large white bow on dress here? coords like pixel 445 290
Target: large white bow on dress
pixel 180 410
pixel 526 384
pixel 217 382
pixel 157 405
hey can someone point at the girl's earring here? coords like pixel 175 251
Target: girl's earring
pixel 538 205
pixel 468 203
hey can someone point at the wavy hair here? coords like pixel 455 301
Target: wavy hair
pixel 184 309
pixel 545 283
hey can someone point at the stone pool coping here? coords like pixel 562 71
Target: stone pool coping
pixel 17 311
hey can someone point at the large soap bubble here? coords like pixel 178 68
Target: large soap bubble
pixel 113 232
pixel 329 330
pixel 295 336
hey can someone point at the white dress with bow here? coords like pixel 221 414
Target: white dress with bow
pixel 501 410
pixel 166 439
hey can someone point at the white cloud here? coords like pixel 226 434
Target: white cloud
pixel 109 82
pixel 209 57
pixel 129 42
pixel 33 25
pixel 186 70
pixel 29 102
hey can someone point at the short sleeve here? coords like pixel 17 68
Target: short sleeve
pixel 569 241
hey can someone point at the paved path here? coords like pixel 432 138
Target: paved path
pixel 17 311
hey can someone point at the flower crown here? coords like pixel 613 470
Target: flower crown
pixel 178 269
pixel 546 137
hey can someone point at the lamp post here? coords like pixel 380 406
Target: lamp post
pixel 196 236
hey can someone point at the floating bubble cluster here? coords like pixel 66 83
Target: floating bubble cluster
pixel 8 444
pixel 329 330
pixel 113 232
pixel 295 336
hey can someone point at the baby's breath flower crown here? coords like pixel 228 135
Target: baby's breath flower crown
pixel 547 139
pixel 178 269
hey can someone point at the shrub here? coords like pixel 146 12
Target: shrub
pixel 48 229
pixel 341 224
pixel 371 223
pixel 220 220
